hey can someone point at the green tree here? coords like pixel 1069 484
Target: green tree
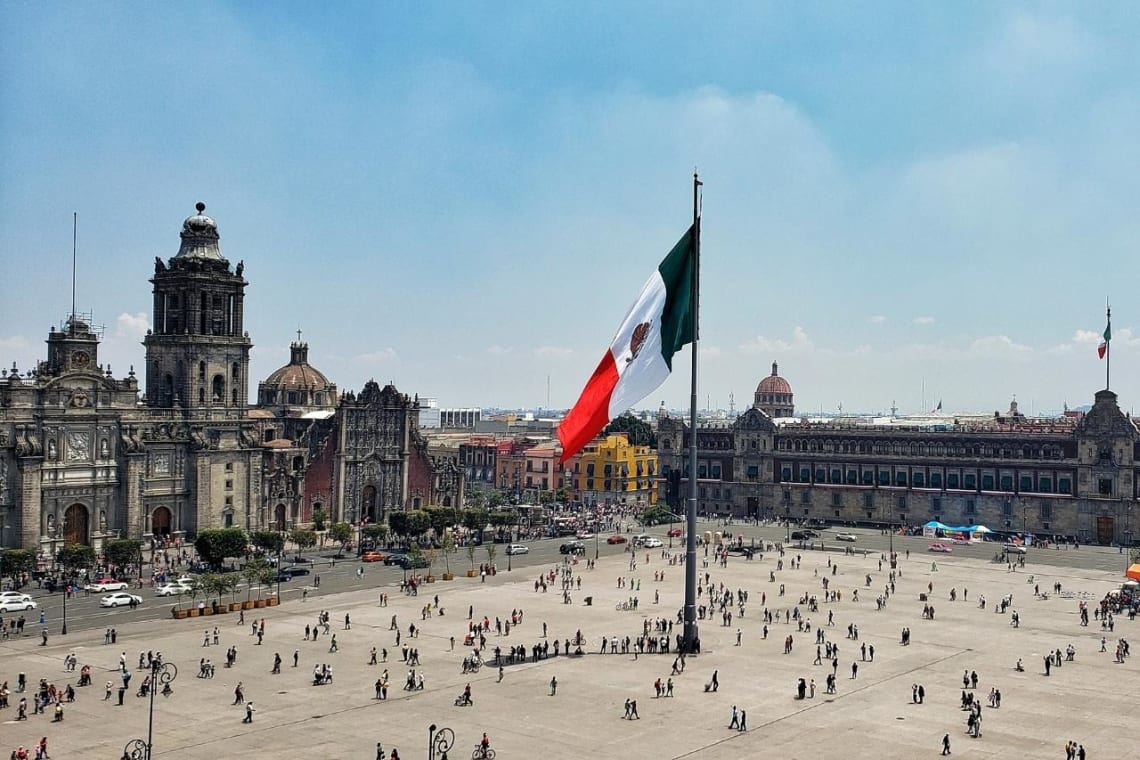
pixel 640 433
pixel 432 556
pixel 75 557
pixel 398 522
pixel 122 552
pixel 441 518
pixel 255 574
pixel 496 499
pixel 499 519
pixel 269 541
pixel 303 539
pixel 15 562
pixel 215 545
pixel 475 519
pixel 341 532
pixel 448 549
pixel 320 517
pixel 376 531
pixel 471 548
pixel 418 522
pixel 657 515
pixel 492 550
pixel 217 584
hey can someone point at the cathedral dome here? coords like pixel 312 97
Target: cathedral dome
pixel 200 237
pixel 298 383
pixel 774 383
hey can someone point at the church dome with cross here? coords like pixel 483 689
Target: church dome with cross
pixel 298 383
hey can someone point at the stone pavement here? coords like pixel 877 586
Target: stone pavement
pixel 871 717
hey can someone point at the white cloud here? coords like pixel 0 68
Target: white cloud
pixel 998 344
pixel 1060 349
pixel 800 342
pixel 382 356
pixel 553 352
pixel 877 319
pixel 924 320
pixel 1086 336
pixel 711 352
pixel 497 350
pixel 15 343
pixel 132 326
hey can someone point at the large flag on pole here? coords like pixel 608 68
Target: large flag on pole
pixel 1102 349
pixel 640 357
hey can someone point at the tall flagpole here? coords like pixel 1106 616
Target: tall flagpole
pixel 74 232
pixel 1108 347
pixel 691 643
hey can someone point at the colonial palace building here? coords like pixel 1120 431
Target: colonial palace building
pixel 1078 475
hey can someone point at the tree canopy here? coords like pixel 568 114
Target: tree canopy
pixel 269 541
pixel 303 538
pixel 214 545
pixel 122 552
pixel 75 557
pixel 15 562
pixel 640 432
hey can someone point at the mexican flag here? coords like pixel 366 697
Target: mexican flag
pixel 1102 349
pixel 640 357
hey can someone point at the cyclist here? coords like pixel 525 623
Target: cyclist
pixel 485 744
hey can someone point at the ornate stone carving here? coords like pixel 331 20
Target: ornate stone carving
pixel 79 446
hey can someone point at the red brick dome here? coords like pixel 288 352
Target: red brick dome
pixel 774 383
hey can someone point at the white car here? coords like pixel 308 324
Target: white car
pixel 1015 549
pixel 584 534
pixel 106 585
pixel 171 589
pixel 518 549
pixel 8 596
pixel 17 604
pixel 119 600
pixel 652 543
pixel 849 537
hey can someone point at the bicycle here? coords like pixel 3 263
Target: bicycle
pixel 483 753
pixel 623 606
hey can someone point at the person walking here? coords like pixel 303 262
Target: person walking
pixel 946 744
pixel 248 713
pixel 743 720
pixel 332 644
pixel 735 722
pixel 276 663
pixel 239 695
pixel 553 685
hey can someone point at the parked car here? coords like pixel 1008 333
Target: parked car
pixel 584 534
pixel 804 535
pixel 395 559
pixel 120 600
pixel 17 603
pixel 6 596
pixel 674 533
pixel 373 557
pixel 171 589
pixel 1015 548
pixel 849 537
pixel 653 543
pixel 616 538
pixel 572 547
pixel 941 548
pixel 295 571
pixel 106 584
pixel 409 562
pixel 518 549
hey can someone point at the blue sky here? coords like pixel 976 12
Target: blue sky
pixel 465 198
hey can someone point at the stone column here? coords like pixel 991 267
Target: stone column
pixel 31 501
pixel 136 469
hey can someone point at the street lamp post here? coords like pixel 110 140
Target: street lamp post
pixel 160 672
pixel 439 742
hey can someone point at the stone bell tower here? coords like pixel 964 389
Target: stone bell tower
pixel 197 352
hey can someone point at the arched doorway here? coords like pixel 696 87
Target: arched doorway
pixel 368 506
pixel 160 522
pixel 279 518
pixel 76 525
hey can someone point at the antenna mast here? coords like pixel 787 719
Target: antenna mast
pixel 74 228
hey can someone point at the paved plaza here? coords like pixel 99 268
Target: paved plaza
pixel 871 716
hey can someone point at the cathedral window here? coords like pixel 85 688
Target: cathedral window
pixel 235 372
pixel 201 370
pixel 219 395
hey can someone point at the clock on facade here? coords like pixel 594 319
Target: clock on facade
pixel 80 359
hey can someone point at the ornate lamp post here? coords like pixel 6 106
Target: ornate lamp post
pixel 160 672
pixel 439 742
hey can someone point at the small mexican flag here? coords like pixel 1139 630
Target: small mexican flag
pixel 1102 349
pixel 640 357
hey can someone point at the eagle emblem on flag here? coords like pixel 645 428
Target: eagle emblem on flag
pixel 637 340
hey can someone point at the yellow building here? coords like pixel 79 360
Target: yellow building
pixel 612 470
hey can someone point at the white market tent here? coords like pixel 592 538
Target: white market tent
pixel 974 532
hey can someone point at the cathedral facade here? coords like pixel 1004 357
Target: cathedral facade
pixel 84 458
pixel 1077 477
